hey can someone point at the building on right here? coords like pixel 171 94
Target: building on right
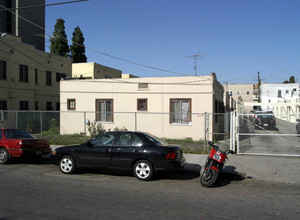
pixel 274 93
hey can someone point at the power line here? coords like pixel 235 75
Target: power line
pixel 97 51
pixel 43 5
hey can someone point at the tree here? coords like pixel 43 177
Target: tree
pixel 77 47
pixel 291 80
pixel 59 42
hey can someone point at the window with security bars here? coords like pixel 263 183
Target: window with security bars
pixel 23 73
pixel 142 104
pixel 180 111
pixel 2 69
pixel 104 110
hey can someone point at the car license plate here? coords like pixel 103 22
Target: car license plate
pixel 39 153
pixel 265 124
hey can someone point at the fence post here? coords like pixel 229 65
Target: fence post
pixel 206 129
pixel 135 121
pixel 41 123
pixel 16 119
pixel 84 123
pixel 232 130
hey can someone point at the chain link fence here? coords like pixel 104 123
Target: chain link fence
pixel 268 134
pixel 199 127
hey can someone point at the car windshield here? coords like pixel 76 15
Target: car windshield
pixel 156 140
pixel 16 133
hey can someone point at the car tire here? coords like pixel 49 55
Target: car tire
pixel 143 170
pixel 67 164
pixel 4 156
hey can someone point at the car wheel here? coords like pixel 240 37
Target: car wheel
pixel 67 165
pixel 143 170
pixel 4 156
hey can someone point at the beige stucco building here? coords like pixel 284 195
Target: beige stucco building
pixel 172 107
pixel 29 78
pixel 241 93
pixel 94 71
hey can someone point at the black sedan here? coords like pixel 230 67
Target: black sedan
pixel 142 153
pixel 264 121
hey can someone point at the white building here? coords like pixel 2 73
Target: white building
pixel 278 93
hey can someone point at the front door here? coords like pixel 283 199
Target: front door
pixel 97 152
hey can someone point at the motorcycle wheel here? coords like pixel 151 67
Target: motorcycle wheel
pixel 208 177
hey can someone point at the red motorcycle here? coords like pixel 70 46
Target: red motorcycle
pixel 214 165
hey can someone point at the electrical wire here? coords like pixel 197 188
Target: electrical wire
pixel 43 5
pixel 97 51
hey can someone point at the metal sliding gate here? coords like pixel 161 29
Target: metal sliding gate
pixel 280 139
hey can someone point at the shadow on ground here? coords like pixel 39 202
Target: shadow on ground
pixel 229 175
pixel 190 171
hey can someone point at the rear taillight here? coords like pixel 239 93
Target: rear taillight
pixel 171 156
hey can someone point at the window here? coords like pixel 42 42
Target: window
pixel 57 106
pixel 143 85
pixel 247 92
pixel 60 76
pixel 128 139
pixel 48 78
pixel 238 92
pixel 24 105
pixel 23 73
pixel 2 69
pixel 180 111
pixel 71 104
pixel 279 93
pixel 104 140
pixel 142 104
pixel 287 91
pixel 104 110
pixel 36 106
pixel 36 76
pixel 49 106
pixel 230 93
pixel 3 106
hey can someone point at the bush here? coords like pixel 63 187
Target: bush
pixel 95 129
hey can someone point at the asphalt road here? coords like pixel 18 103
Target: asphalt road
pixel 39 191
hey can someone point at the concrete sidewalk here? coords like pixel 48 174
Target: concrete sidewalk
pixel 268 168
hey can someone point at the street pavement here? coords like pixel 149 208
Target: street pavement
pixel 267 168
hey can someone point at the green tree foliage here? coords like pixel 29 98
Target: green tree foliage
pixel 77 47
pixel 59 42
pixel 291 80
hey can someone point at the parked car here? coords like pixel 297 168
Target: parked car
pixel 265 120
pixel 142 153
pixel 20 143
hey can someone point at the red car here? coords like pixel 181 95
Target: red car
pixel 20 143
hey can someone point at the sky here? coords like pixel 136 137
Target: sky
pixel 235 39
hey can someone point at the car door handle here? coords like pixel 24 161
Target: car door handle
pixel 107 150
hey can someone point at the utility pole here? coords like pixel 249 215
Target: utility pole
pixel 259 83
pixel 195 56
